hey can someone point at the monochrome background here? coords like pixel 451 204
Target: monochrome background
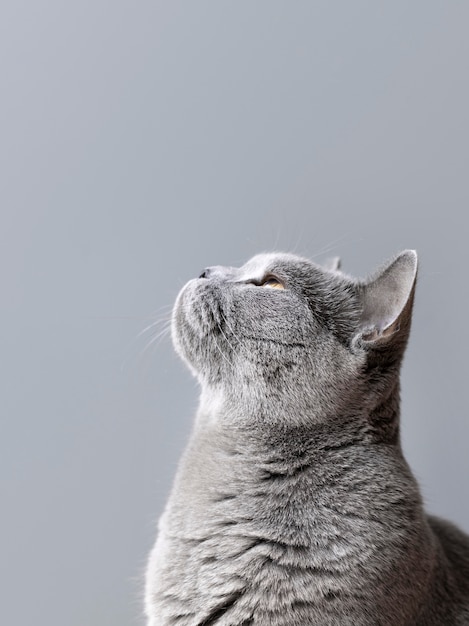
pixel 142 141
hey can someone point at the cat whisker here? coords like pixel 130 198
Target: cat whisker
pixel 164 320
pixel 229 328
pixel 224 335
pixel 299 240
pixel 153 341
pixel 329 247
pixel 222 353
pixel 165 324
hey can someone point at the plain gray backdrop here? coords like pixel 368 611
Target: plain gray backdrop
pixel 142 141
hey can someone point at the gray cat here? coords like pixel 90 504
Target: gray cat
pixel 293 504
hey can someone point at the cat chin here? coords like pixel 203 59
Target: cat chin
pixel 181 320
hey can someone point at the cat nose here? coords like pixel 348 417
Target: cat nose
pixel 217 271
pixel 206 272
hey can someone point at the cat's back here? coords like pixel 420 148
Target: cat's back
pixel 448 602
pixel 455 544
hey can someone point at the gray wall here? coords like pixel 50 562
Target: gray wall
pixel 141 141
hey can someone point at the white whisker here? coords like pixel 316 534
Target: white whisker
pixel 221 352
pixel 164 325
pixel 165 331
pixel 329 247
pixel 229 327
pixel 152 325
pixel 224 335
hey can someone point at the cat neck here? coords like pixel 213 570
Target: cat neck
pixel 287 428
pixel 353 458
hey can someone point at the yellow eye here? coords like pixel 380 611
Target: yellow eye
pixel 272 283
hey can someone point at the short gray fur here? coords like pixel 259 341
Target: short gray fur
pixel 293 504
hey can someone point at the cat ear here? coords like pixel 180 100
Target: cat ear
pixel 333 264
pixel 386 301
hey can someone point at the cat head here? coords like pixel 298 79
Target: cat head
pixel 290 340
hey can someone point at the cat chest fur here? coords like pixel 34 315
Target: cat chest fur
pixel 260 541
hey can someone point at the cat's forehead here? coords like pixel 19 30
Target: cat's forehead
pixel 268 261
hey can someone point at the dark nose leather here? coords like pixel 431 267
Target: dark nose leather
pixel 217 271
pixel 206 273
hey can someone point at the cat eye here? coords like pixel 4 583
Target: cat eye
pixel 272 282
